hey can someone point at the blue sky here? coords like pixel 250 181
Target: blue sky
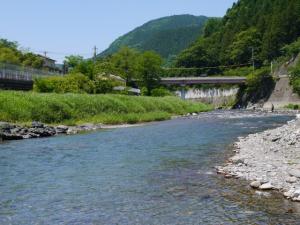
pixel 64 27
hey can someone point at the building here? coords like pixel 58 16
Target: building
pixel 50 64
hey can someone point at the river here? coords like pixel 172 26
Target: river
pixel 160 173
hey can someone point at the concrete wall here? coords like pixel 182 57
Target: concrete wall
pixel 215 96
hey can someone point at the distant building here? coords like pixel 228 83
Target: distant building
pixel 50 64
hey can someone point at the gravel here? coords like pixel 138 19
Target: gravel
pixel 269 160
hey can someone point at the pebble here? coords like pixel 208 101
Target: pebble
pixel 269 160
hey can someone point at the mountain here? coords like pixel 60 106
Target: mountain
pixel 167 36
pixel 261 27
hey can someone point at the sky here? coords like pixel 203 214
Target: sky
pixel 65 27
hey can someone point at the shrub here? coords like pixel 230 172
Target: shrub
pixel 103 86
pixel 161 92
pixel 295 79
pixel 260 84
pixel 72 83
pixel 292 49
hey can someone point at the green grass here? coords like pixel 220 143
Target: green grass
pixel 70 109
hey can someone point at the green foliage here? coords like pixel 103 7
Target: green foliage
pixel 241 71
pixel 82 108
pixel 240 51
pixel 183 72
pixel 149 70
pixel 72 83
pixel 161 92
pixel 293 107
pixel 260 84
pixel 292 49
pixel 9 53
pixel 126 63
pixel 167 36
pixel 32 60
pixel 295 78
pixel 73 60
pixel 266 26
pixel 212 26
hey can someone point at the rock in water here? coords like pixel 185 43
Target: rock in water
pixel 255 184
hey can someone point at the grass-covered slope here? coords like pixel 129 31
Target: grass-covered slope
pixel 22 107
pixel 167 36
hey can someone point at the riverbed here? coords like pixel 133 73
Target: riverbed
pixel 160 173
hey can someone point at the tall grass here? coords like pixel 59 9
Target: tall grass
pixel 80 108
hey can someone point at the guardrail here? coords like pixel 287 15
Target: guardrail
pixel 15 72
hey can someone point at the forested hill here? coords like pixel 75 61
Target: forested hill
pixel 167 36
pixel 264 25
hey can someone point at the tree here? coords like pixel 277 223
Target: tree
pixel 8 44
pixel 8 55
pixel 240 51
pixel 150 69
pixel 125 61
pixel 73 60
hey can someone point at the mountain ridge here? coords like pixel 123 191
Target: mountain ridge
pixel 167 35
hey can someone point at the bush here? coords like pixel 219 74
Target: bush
pixel 161 92
pixel 260 84
pixel 103 86
pixel 292 49
pixel 295 78
pixel 293 107
pixel 72 83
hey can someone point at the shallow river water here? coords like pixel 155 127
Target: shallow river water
pixel 160 173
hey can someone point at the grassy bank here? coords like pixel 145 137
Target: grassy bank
pixel 23 107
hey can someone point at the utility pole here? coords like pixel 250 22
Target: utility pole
pixel 253 62
pixel 95 53
pixel 45 53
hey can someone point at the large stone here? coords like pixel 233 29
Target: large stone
pixel 289 194
pixel 294 173
pixel 61 129
pixel 291 180
pixel 255 184
pixel 267 186
pixel 36 124
pixel 4 126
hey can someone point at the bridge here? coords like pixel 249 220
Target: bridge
pixel 183 81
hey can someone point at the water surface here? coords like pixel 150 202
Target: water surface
pixel 161 173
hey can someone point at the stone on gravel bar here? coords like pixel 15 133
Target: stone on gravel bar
pixel 267 186
pixel 294 173
pixel 255 184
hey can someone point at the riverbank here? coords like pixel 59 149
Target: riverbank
pixel 77 109
pixel 269 160
pixel 82 112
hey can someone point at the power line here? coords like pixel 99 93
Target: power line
pixel 209 67
pixel 61 53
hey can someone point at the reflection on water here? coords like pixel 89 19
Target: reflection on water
pixel 160 173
